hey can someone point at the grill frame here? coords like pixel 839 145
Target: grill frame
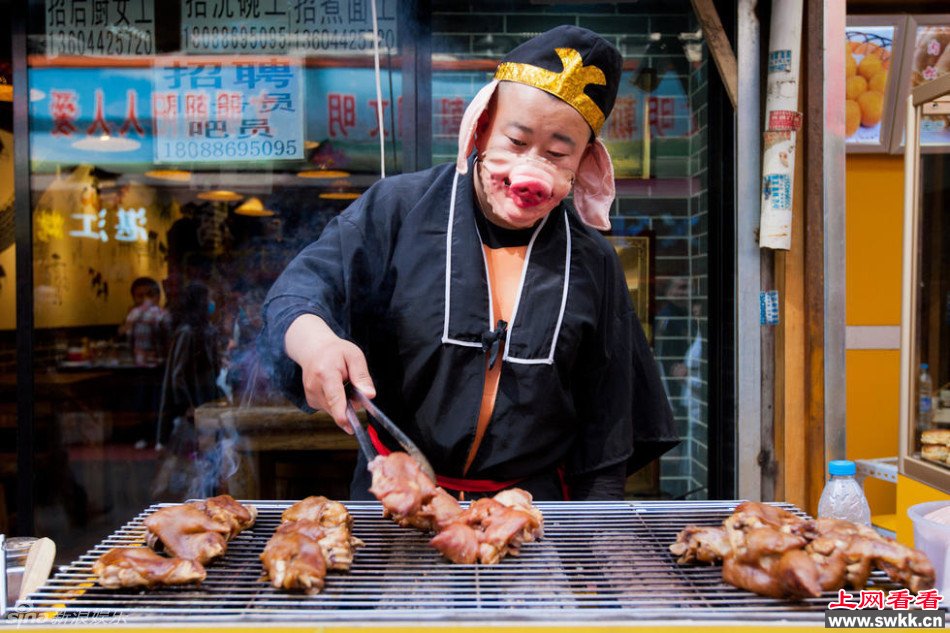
pixel 598 562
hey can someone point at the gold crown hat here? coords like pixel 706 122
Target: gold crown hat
pixel 582 69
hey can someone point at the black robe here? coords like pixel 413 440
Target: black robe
pixel 402 274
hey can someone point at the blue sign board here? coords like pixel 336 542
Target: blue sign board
pixel 209 110
pixel 90 115
pixel 206 110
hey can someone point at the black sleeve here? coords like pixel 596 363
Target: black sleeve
pixel 606 484
pixel 625 415
pixel 601 381
pixel 654 428
pixel 328 278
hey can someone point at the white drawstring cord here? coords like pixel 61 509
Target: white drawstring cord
pixel 379 94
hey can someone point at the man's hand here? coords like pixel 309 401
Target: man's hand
pixel 327 362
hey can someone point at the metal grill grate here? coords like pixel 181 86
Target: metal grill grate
pixel 598 561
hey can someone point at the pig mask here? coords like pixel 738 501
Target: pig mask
pixel 529 181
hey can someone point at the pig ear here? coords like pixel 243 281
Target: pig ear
pixel 469 124
pixel 594 186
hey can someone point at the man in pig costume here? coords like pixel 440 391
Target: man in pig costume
pixel 485 314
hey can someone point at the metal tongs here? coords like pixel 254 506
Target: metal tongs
pixel 355 395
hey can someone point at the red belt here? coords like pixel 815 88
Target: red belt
pixel 452 483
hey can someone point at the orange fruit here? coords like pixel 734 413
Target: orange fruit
pixel 850 66
pixel 878 82
pixel 872 107
pixel 855 86
pixel 870 66
pixel 852 117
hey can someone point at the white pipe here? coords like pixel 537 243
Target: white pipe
pixel 379 94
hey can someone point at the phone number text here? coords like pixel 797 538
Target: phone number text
pixel 271 38
pixel 100 42
pixel 254 149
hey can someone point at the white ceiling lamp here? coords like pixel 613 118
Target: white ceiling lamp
pixel 106 143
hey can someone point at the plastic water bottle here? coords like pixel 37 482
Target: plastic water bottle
pixel 843 497
pixel 925 395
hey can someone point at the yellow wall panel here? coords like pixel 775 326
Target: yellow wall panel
pixel 874 197
pixel 875 200
pixel 873 403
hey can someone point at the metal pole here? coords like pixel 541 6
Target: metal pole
pixel 748 167
pixel 3 577
pixel 834 229
pixel 909 272
pixel 24 269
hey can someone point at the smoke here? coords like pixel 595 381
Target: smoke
pixel 215 467
pixel 199 467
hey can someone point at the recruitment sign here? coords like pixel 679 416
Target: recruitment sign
pixel 284 26
pixel 99 27
pixel 216 109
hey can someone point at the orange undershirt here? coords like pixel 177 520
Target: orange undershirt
pixel 504 274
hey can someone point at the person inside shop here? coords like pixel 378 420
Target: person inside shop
pixel 147 328
pixel 484 313
pixel 194 361
pixel 147 324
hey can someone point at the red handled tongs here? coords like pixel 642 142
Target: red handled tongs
pixel 362 437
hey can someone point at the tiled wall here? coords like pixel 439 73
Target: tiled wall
pixel 699 267
pixel 672 206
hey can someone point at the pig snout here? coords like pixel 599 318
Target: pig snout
pixel 529 187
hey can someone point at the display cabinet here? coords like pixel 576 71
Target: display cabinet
pixel 925 310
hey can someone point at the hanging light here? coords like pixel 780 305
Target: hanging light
pixel 322 174
pixel 178 175
pixel 254 208
pixel 220 195
pixel 340 195
pixel 106 143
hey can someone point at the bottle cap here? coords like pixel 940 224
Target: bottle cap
pixel 841 467
pixel 924 366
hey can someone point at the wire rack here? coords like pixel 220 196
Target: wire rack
pixel 598 561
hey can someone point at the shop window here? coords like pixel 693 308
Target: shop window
pixel 181 153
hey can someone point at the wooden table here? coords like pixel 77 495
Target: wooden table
pixel 52 384
pixel 273 427
pixel 260 433
pixel 70 390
